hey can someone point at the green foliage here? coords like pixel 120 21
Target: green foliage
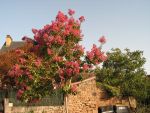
pixel 44 111
pixel 123 74
pixel 146 100
pixel 31 111
pixel 143 109
pixel 112 91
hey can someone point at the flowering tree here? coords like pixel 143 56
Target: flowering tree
pixel 55 58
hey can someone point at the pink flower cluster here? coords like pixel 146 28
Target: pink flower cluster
pixel 70 69
pixel 74 89
pixel 71 12
pixel 61 17
pixel 57 59
pixel 85 67
pixel 82 19
pixel 19 93
pixel 15 71
pixel 96 56
pixel 58 31
pixel 102 40
pixel 22 60
pixel 38 62
pixel 78 50
pixel 54 40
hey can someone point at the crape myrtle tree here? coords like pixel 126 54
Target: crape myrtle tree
pixel 55 59
pixel 123 74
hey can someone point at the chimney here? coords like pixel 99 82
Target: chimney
pixel 8 40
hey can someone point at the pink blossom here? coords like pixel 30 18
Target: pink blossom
pixel 61 73
pixel 47 27
pixel 57 59
pixel 96 56
pixel 79 49
pixel 71 21
pixel 69 71
pixel 38 62
pixel 103 57
pixel 45 35
pixel 76 32
pixel 22 60
pixel 76 70
pixel 61 17
pixel 59 40
pixel 49 51
pixel 102 40
pixel 85 67
pixel 36 37
pixel 26 72
pixel 16 70
pixel 72 67
pixel 77 23
pixel 54 27
pixel 11 73
pixel 34 31
pixel 71 12
pixel 90 55
pixel 66 32
pixel 30 77
pixel 74 88
pixel 50 40
pixel 67 29
pixel 82 19
pixel 19 93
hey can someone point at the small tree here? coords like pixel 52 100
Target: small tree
pixel 123 74
pixel 8 59
pixel 54 60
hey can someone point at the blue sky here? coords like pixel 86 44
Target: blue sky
pixel 125 23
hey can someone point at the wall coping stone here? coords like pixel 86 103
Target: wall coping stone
pixel 89 79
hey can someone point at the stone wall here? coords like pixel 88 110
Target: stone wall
pixel 87 100
pixel 90 97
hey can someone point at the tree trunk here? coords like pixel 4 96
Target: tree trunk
pixel 66 103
